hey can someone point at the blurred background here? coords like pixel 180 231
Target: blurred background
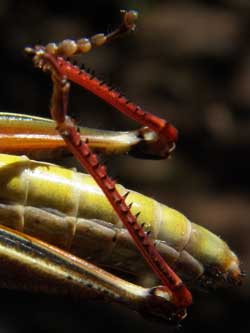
pixel 188 62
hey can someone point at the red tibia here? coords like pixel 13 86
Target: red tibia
pixel 181 295
pixel 167 132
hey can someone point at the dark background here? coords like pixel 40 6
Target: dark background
pixel 188 62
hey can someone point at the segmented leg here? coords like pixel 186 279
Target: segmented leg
pixel 81 150
pixel 167 134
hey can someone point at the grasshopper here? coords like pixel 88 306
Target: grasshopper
pixel 51 203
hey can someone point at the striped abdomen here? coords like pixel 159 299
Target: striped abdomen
pixel 67 209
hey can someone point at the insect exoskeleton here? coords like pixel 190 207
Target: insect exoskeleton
pixel 68 209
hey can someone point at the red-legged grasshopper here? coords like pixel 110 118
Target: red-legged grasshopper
pixel 186 244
